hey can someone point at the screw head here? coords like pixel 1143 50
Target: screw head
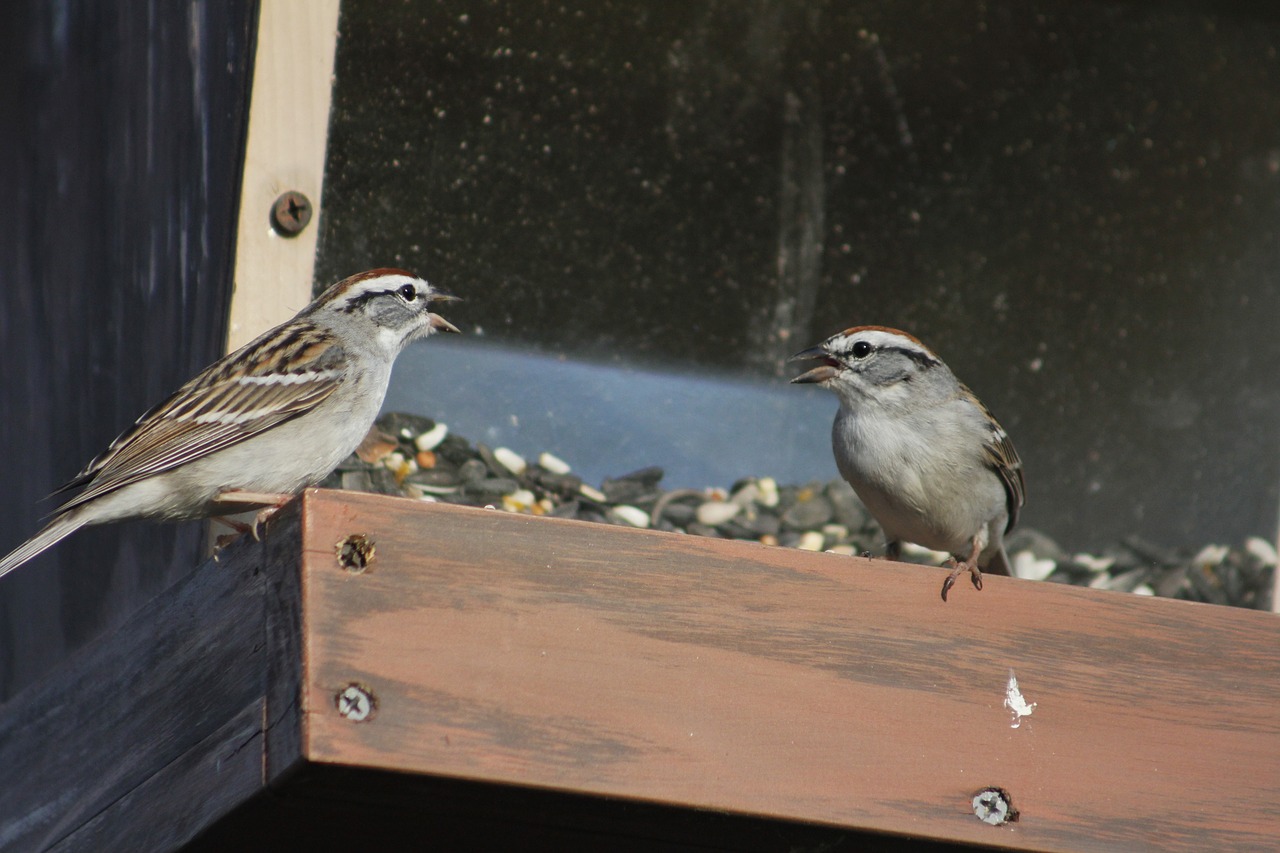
pixel 355 553
pixel 290 214
pixel 994 806
pixel 356 703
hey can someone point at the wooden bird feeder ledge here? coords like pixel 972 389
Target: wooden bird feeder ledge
pixel 381 672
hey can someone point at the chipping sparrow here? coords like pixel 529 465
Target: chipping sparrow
pixel 925 456
pixel 262 423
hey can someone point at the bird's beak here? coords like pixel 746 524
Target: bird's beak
pixel 440 324
pixel 809 354
pixel 819 374
pixel 437 322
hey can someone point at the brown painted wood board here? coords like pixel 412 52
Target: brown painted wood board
pixel 769 681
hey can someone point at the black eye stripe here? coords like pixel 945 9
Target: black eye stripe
pixel 915 355
pixel 364 298
pixel 862 349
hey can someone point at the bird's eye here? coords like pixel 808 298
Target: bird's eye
pixel 408 292
pixel 861 349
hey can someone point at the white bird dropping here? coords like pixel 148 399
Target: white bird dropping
pixel 1014 701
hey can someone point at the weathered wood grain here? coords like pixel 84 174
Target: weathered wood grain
pixel 202 784
pixel 774 682
pixel 580 683
pixel 282 711
pixel 123 133
pixel 138 724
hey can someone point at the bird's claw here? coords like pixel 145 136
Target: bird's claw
pixel 253 528
pixel 975 574
pixel 959 567
pixel 946 586
pixel 260 518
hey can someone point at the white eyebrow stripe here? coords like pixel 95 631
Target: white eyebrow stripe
pixel 878 339
pixel 288 378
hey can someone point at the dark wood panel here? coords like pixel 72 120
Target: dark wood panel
pixel 121 135
pixel 204 783
pixel 774 682
pixel 329 807
pixel 282 750
pixel 142 724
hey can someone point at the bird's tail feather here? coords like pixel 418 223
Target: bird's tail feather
pixel 53 533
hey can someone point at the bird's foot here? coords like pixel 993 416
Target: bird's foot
pixel 260 518
pixel 238 528
pixel 959 567
pixel 273 503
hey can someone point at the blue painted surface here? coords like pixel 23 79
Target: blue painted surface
pixel 606 420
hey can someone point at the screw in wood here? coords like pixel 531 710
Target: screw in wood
pixel 290 214
pixel 356 703
pixel 355 553
pixel 994 806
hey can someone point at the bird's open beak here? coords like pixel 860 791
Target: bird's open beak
pixel 819 374
pixel 437 322
pixel 440 324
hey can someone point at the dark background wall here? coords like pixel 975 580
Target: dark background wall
pixel 121 139
pixel 1077 204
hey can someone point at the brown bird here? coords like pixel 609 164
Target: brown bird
pixel 261 424
pixel 922 452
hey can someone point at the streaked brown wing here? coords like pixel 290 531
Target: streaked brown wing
pixel 294 368
pixel 1004 459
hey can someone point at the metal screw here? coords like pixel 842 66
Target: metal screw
pixel 355 553
pixel 994 806
pixel 290 214
pixel 356 703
